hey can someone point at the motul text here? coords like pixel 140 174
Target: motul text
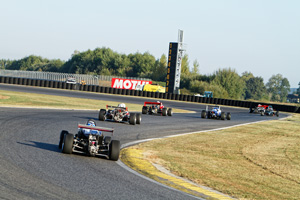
pixel 129 84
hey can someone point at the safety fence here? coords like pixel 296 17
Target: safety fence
pixel 100 80
pixel 109 90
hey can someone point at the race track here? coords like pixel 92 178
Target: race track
pixel 32 167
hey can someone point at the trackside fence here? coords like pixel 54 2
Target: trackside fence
pixel 109 90
pixel 53 76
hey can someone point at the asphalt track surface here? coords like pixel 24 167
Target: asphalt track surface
pixel 32 166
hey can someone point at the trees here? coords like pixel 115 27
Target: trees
pixel 255 88
pixel 278 88
pixel 231 82
pixel 298 90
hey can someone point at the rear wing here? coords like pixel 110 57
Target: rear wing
pixel 98 128
pixel 153 103
pixel 210 107
pixel 108 106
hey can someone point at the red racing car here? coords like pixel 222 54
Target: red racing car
pixel 156 108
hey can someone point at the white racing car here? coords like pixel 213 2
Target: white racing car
pixel 91 141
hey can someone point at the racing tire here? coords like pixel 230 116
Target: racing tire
pixel 107 139
pixel 102 116
pixel 61 138
pixel 203 114
pixel 228 116
pixel 114 150
pixel 132 119
pixel 67 145
pixel 164 112
pixel 223 116
pixel 144 110
pixel 138 118
pixel 262 113
pixel 277 113
pixel 170 112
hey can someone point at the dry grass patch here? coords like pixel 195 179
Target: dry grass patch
pixel 259 161
pixel 22 99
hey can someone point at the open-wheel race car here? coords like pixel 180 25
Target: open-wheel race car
pixel 214 112
pixel 91 141
pixel 156 108
pixel 119 114
pixel 258 109
pixel 269 111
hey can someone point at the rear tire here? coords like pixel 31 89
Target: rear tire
pixel 138 118
pixel 222 116
pixel 144 110
pixel 209 115
pixel 277 113
pixel 114 150
pixel 67 146
pixel 164 112
pixel 61 138
pixel 228 116
pixel 102 116
pixel 170 112
pixel 132 119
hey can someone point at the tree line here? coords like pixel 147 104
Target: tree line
pixel 224 83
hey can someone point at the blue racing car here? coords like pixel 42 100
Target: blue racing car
pixel 214 112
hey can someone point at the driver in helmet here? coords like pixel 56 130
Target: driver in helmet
pixel 86 131
pixel 122 105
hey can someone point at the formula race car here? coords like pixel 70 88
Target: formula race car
pixel 270 112
pixel 258 109
pixel 119 114
pixel 214 112
pixel 156 108
pixel 91 141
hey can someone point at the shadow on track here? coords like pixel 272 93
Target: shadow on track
pixel 41 145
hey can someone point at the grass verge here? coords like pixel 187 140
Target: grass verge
pixel 258 161
pixel 22 99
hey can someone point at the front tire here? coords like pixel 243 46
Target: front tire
pixel 114 150
pixel 170 112
pixel 203 114
pixel 67 146
pixel 102 116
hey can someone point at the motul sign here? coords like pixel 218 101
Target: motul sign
pixel 129 84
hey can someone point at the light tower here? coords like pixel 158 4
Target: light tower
pixel 174 64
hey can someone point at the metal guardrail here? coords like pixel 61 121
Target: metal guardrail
pixel 53 76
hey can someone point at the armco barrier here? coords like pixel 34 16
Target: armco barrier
pixel 109 90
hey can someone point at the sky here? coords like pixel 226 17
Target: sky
pixel 257 36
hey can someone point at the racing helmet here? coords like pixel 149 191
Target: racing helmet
pixel 91 123
pixel 122 105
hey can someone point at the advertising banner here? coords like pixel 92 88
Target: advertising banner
pixel 129 84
